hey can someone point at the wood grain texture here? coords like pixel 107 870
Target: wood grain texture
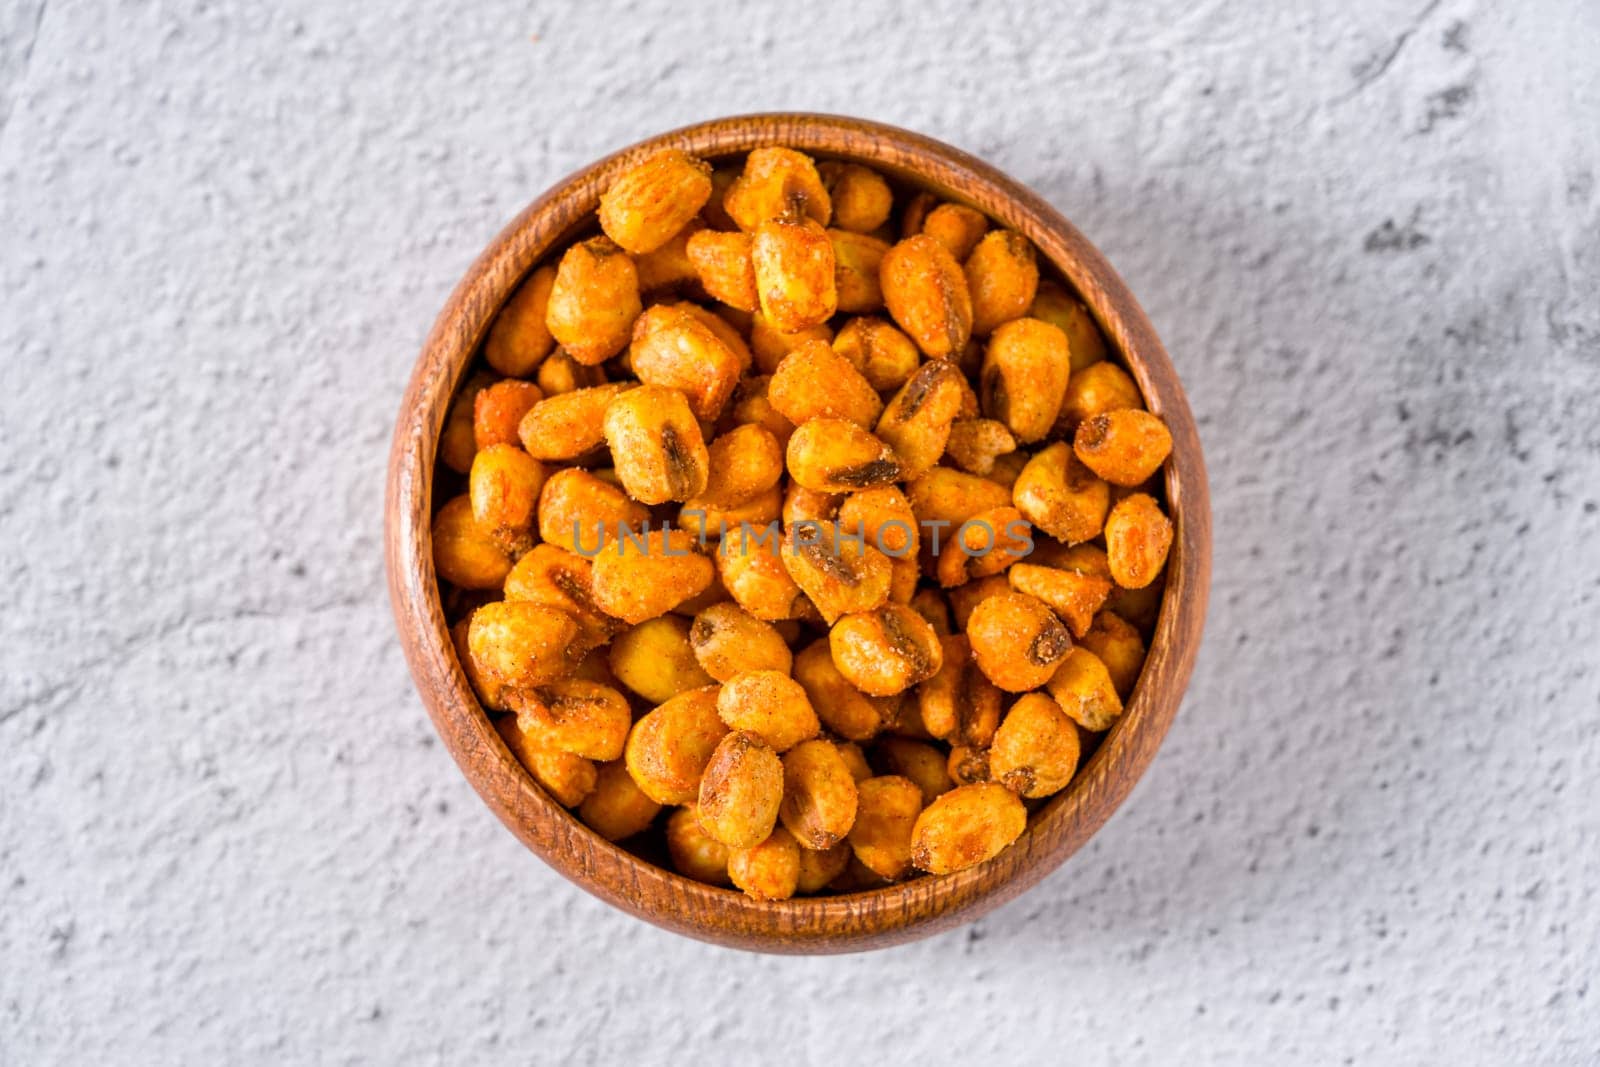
pixel 805 925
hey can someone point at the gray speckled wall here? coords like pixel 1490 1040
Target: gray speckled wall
pixel 1370 235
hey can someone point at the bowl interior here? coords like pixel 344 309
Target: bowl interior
pixel 808 924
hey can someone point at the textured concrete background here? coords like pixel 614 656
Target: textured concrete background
pixel 1370 234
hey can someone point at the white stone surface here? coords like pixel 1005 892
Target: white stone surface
pixel 1370 235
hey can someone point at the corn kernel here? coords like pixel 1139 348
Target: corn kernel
pixel 723 265
pixel 553 577
pixel 839 573
pixel 669 268
pixel 1068 314
pixel 1035 751
pixel 593 301
pixel 857 258
pixel 560 373
pixel 819 795
pixel 568 425
pixel 883 517
pixel 968 765
pixel 886 650
pixel 727 640
pixel 617 808
pixel 861 199
pixel 585 718
pixel 740 791
pixel 755 576
pixel 498 409
pixel 567 778
pixel 521 645
pixel 1008 622
pixel 770 344
pixel 886 814
pixel 1138 537
pixel 1074 594
pixel 841 707
pixel 1082 688
pixel 959 704
pixel 835 456
pixel 770 705
pixel 916 422
pixel 926 294
pixel 956 226
pixel 966 827
pixel 649 203
pixel 1124 447
pixel 679 349
pixel 1061 496
pixel 518 338
pixel 777 182
pixel 917 761
pixel 885 357
pixel 820 867
pixel 752 405
pixel 695 853
pixel 656 445
pixel 656 660
pixel 795 273
pixel 1119 647
pixel 815 382
pixel 504 488
pixel 975 444
pixel 1003 277
pixel 668 749
pixel 1025 374
pixel 1095 390
pixel 769 870
pixel 581 513
pixel 466 552
pixel 638 579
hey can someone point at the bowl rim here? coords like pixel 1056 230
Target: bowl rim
pixel 874 918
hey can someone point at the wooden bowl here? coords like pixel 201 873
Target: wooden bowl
pixel 878 918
